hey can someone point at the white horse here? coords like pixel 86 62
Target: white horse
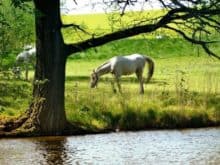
pixel 124 65
pixel 26 57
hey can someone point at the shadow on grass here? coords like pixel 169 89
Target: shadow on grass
pixel 163 110
pixel 77 78
pixel 122 79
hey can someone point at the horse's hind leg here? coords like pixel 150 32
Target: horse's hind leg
pixel 140 79
pixel 119 86
pixel 26 72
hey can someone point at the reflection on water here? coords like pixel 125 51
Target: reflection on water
pixel 192 146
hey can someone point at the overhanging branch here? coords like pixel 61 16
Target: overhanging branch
pixel 75 26
pixel 205 15
pixel 204 44
pixel 93 42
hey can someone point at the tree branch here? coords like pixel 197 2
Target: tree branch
pixel 75 26
pixel 177 12
pixel 93 42
pixel 198 42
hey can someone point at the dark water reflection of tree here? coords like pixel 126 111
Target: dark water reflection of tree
pixel 53 150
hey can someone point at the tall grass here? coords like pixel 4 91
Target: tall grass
pixel 15 96
pixel 102 109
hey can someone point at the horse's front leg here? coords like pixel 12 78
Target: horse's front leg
pixel 113 86
pixel 141 87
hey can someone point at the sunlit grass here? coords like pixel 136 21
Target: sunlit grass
pixel 197 73
pixel 184 91
pixel 14 97
pixel 104 21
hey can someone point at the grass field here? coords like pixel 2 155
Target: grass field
pixel 181 89
pixel 99 24
pixel 184 92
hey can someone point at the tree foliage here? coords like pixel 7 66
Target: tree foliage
pixel 17 28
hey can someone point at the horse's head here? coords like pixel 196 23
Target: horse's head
pixel 94 79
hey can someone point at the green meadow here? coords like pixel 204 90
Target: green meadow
pixel 100 24
pixel 184 91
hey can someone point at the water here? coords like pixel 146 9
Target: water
pixel 192 146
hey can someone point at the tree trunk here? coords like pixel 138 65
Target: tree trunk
pixel 49 84
pixel 46 114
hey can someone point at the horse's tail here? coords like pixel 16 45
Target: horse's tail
pixel 151 66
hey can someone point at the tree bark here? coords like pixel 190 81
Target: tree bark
pixel 49 83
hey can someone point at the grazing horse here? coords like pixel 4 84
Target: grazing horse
pixel 26 57
pixel 124 65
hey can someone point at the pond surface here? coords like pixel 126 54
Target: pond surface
pixel 191 146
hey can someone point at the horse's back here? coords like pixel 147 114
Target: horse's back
pixel 129 58
pixel 125 65
pixel 22 56
pixel 32 51
pixel 134 56
pixel 26 55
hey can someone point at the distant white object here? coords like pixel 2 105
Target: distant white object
pixel 159 37
pixel 26 57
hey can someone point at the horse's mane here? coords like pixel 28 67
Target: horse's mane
pixel 101 65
